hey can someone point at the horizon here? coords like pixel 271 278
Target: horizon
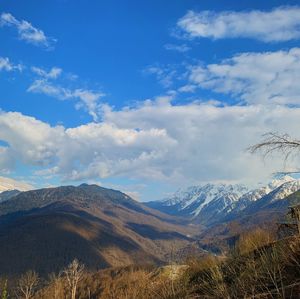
pixel 146 98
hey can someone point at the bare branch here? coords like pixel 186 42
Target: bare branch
pixel 275 142
pixel 27 284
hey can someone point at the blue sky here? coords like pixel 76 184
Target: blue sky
pixel 145 96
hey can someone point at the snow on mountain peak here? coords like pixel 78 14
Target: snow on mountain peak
pixel 285 189
pixel 278 182
pixel 224 198
pixel 195 198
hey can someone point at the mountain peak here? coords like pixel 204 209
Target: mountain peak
pixel 281 180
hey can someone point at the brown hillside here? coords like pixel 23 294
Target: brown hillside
pixel 46 229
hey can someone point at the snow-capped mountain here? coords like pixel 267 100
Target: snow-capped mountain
pixel 192 200
pixel 286 185
pixel 7 184
pixel 285 189
pixel 276 197
pixel 212 203
pixel 202 202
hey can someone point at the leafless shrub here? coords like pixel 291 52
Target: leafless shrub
pixel 56 285
pixel 74 273
pixel 253 240
pixel 27 285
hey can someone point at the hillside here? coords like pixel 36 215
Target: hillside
pixel 5 195
pixel 264 213
pixel 45 229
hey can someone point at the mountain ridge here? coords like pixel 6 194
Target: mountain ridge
pixel 213 203
pixel 101 227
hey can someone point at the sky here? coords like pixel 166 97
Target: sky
pixel 146 96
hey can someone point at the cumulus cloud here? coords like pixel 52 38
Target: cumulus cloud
pixel 278 25
pixel 30 140
pixel 88 151
pixel 26 31
pixel 265 78
pixel 157 141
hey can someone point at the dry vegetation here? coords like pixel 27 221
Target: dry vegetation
pixel 258 267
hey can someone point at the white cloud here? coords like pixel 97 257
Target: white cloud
pixel 179 48
pixel 268 78
pixel 50 89
pixel 7 162
pixel 88 99
pixel 26 31
pixel 88 151
pixel 54 72
pixel 29 141
pixel 187 88
pixel 47 83
pixel 165 75
pixel 10 184
pixel 278 25
pixel 6 65
pixel 158 141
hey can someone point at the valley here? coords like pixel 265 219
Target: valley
pixel 46 229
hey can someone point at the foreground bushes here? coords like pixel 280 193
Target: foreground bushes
pixel 258 268
pixel 253 270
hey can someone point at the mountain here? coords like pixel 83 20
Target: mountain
pixel 191 201
pixel 46 229
pixel 204 203
pixel 5 195
pixel 7 184
pixel 278 197
pixel 215 203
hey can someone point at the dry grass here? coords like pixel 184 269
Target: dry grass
pixel 257 268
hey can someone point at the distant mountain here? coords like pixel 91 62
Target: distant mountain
pixel 7 184
pixel 45 229
pixel 5 195
pixel 214 203
pixel 277 197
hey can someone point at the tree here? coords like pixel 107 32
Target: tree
pixel 275 142
pixel 4 294
pixel 27 284
pixel 74 273
pixel 55 282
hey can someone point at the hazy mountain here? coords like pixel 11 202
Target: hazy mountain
pixel 5 195
pixel 45 229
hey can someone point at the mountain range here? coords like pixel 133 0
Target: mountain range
pixel 47 228
pixel 209 204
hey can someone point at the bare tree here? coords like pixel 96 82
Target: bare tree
pixel 74 273
pixel 55 281
pixel 27 284
pixel 275 142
